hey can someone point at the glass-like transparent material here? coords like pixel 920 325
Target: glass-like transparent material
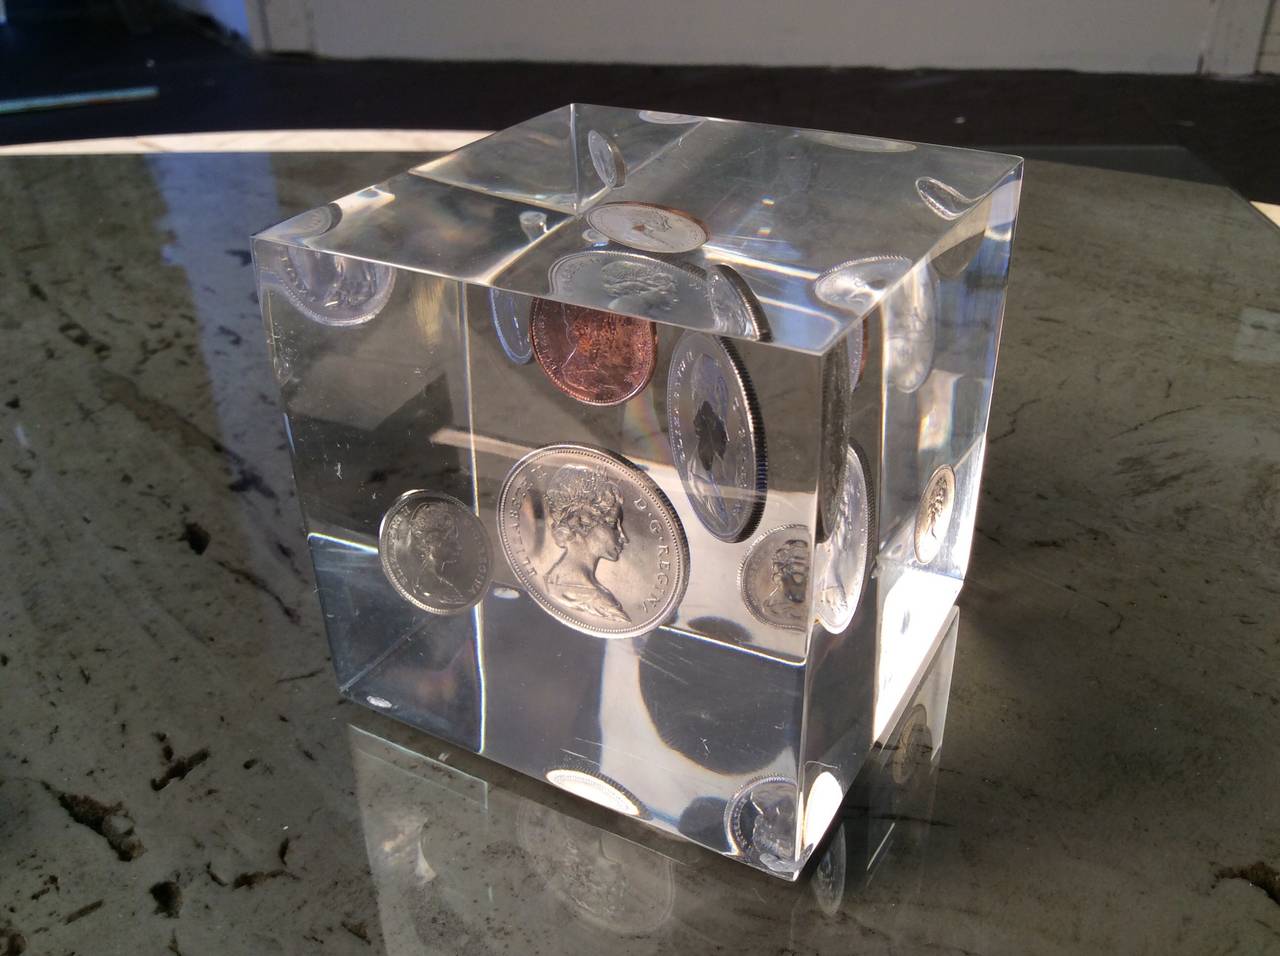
pixel 694 412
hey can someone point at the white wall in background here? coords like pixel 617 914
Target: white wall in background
pixel 232 14
pixel 1269 57
pixel 1172 36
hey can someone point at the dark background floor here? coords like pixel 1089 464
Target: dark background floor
pixel 1231 128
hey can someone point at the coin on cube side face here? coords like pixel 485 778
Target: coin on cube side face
pixel 593 540
pixel 648 227
pixel 933 516
pixel 331 289
pixel 847 548
pixel 511 323
pixel 774 577
pixel 597 357
pixel 716 436
pixel 734 307
pixel 606 157
pixel 435 552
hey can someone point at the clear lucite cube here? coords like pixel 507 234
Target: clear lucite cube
pixel 640 452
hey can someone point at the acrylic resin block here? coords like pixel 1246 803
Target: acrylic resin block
pixel 639 452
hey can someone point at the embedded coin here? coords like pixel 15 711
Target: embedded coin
pixel 626 281
pixel 933 517
pixel 511 322
pixel 606 157
pixel 599 358
pixel 734 307
pixel 836 396
pixel 857 285
pixel 434 551
pixel 331 289
pixel 717 442
pixel 846 550
pixel 647 227
pixel 910 337
pixel 593 540
pixel 668 119
pixel 760 822
pixel 774 578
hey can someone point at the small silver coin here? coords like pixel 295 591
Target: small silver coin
pixel 331 289
pixel 717 440
pixel 734 307
pixel 760 822
pixel 945 201
pixel 668 119
pixel 910 315
pixel 847 549
pixel 647 227
pixel 774 578
pixel 435 552
pixel 933 516
pixel 626 282
pixel 857 285
pixel 593 540
pixel 606 158
pixel 837 388
pixel 511 322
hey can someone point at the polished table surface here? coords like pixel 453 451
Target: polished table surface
pixel 178 773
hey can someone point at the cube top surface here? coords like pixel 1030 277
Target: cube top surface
pixel 813 227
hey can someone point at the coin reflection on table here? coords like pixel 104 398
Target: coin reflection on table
pixel 717 440
pixel 648 227
pixel 593 540
pixel 774 578
pixel 600 358
pixel 435 552
pixel 933 517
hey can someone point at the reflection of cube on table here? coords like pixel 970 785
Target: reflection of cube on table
pixel 763 357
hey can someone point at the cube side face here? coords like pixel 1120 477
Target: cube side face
pixel 675 596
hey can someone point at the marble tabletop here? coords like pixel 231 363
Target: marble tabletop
pixel 179 775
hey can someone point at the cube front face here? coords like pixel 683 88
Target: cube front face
pixel 640 452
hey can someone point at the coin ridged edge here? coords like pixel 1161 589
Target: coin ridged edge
pixel 755 311
pixel 384 561
pixel 872 536
pixel 643 481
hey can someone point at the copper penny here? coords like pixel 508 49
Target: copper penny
pixel 600 358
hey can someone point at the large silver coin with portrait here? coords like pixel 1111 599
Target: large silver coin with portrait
pixel 593 540
pixel 434 551
pixel 717 442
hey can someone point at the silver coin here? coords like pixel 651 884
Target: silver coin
pixel 511 322
pixel 668 119
pixel 330 289
pixel 933 516
pixel 606 157
pixel 909 317
pixel 734 307
pixel 717 441
pixel 857 285
pixel 593 540
pixel 434 551
pixel 774 577
pixel 860 144
pixel 626 282
pixel 760 822
pixel 647 227
pixel 837 388
pixel 946 202
pixel 847 549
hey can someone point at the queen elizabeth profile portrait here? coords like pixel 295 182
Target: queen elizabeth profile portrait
pixel 433 538
pixel 584 512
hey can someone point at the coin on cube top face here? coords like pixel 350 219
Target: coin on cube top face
pixel 774 578
pixel 606 157
pixel 847 548
pixel 600 358
pixel 593 540
pixel 511 322
pixel 933 517
pixel 331 289
pixel 648 227
pixel 435 552
pixel 734 307
pixel 717 440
